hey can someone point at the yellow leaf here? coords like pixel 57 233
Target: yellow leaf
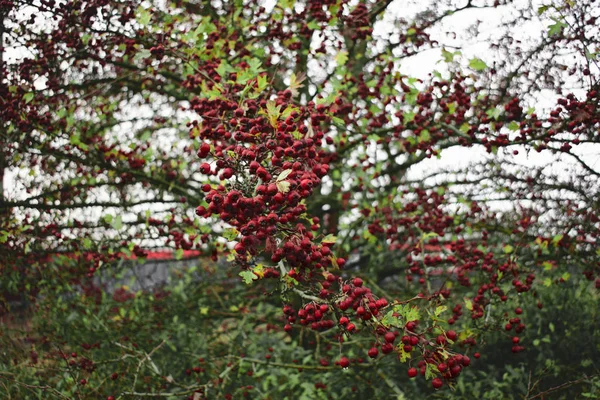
pixel 259 270
pixel 283 186
pixel 296 82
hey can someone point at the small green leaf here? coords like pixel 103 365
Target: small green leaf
pixel 477 64
pixel 402 355
pixel 178 254
pixel 313 25
pixel 514 126
pixel 439 310
pixel 330 239
pixel 468 304
pixel 143 16
pixel 118 223
pixel 230 234
pixel 556 28
pixel 430 372
pixel 508 249
pixel 28 97
pixel 338 121
pixel 248 276
pixel 341 58
pixel 556 239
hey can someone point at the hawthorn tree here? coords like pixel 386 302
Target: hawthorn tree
pixel 299 174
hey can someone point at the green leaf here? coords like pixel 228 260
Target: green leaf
pixel 313 25
pixel 389 320
pixel 477 64
pixel 494 113
pixel 262 83
pixel 28 97
pixel 329 239
pixel 230 234
pixel 338 121
pixel 403 356
pixel 513 126
pixel 224 68
pixel 407 312
pixel 556 239
pixel 248 276
pixel 273 113
pixel 556 28
pixel 143 16
pixel 439 310
pixel 468 304
pixel 408 117
pixel 430 372
pixel 178 254
pixel 118 223
pixel 449 56
pixel 341 58
pixel 508 249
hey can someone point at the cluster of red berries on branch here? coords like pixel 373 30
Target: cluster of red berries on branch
pixel 269 155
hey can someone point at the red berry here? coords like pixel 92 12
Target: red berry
pixel 344 362
pixel 437 383
pixel 387 348
pixel 451 335
pixel 412 372
pixel 373 352
pixel 357 282
pixel 389 337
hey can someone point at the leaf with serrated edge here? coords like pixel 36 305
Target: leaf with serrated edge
pixel 283 186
